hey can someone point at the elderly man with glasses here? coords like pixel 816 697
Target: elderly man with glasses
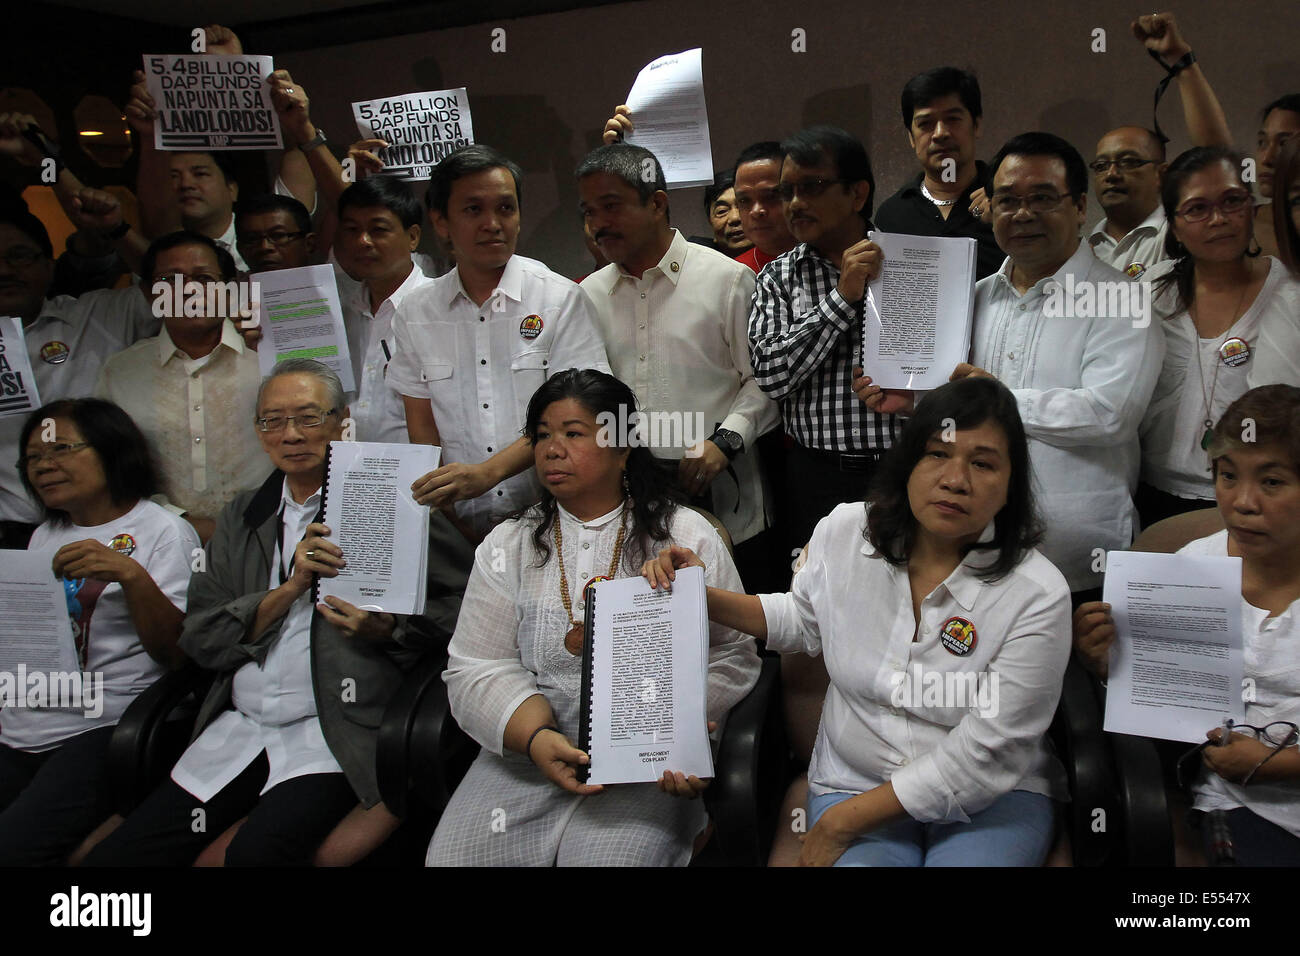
pixel 290 726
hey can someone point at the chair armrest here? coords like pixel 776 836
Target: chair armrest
pixel 1085 751
pixel 1148 830
pixel 392 750
pixel 749 774
pixel 146 743
pixel 421 748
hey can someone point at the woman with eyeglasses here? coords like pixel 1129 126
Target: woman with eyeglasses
pixel 1254 452
pixel 1230 323
pixel 124 563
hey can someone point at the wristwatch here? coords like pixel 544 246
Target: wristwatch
pixel 729 442
pixel 317 140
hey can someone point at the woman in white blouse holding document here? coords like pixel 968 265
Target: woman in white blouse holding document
pixel 946 637
pixel 514 674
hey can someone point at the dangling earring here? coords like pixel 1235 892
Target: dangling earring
pixel 1254 253
pixel 627 488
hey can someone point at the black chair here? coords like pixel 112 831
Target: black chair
pixel 152 734
pixel 437 754
pixel 422 752
pixel 749 776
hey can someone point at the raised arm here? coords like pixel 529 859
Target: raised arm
pixel 1206 123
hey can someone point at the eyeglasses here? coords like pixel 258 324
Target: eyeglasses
pixel 1200 210
pixel 250 240
pixel 1008 205
pixel 1125 163
pixel 809 188
pixel 1279 735
pixel 21 258
pixel 280 422
pixel 55 452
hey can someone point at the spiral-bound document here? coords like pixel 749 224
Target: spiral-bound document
pixel 372 516
pixel 645 666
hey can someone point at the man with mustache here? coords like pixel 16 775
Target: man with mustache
pixel 673 316
pixel 805 327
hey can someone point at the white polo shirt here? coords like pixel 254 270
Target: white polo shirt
pixel 947 756
pixel 376 406
pixel 1142 247
pixel 68 343
pixel 478 365
pixel 1082 386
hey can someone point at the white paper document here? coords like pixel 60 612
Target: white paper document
pixel 918 311
pixel 421 129
pixel 300 317
pixel 646 665
pixel 18 394
pixel 1176 665
pixel 372 517
pixel 670 119
pixel 35 630
pixel 212 101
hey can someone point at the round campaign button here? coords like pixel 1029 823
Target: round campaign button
pixel 531 326
pixel 1134 270
pixel 55 353
pixel 123 544
pixel 1234 352
pixel 958 636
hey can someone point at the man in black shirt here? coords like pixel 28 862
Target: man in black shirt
pixel 941 111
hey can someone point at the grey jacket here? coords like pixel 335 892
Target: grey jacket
pixel 353 679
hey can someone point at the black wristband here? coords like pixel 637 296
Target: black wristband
pixel 528 750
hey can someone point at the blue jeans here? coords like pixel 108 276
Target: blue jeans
pixel 1015 830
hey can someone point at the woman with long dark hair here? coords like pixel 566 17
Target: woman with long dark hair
pixel 945 635
pixel 124 563
pixel 515 673
pixel 1230 322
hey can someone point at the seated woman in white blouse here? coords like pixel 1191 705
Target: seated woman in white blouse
pixel 514 674
pixel 946 636
pixel 1255 777
pixel 1229 320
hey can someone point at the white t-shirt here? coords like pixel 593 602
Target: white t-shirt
pixel 1271 655
pixel 108 647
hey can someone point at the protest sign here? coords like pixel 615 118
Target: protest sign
pixel 212 102
pixel 420 129
pixel 17 383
